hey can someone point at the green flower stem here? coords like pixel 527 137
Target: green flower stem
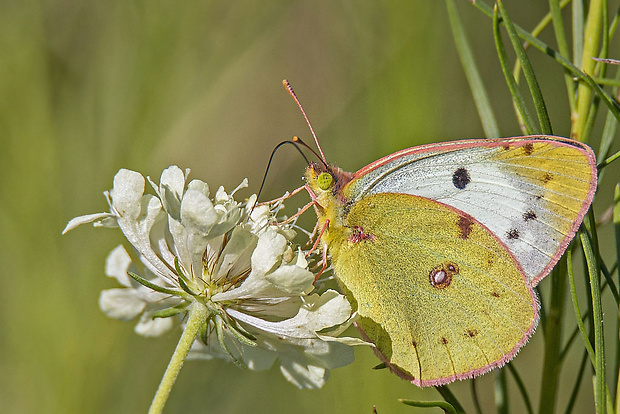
pixel 592 37
pixel 197 314
pixel 553 339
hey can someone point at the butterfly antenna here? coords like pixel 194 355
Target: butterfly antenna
pixel 288 86
pixel 294 143
pixel 298 140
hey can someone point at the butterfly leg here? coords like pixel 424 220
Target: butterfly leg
pixel 324 260
pixel 299 213
pixel 284 197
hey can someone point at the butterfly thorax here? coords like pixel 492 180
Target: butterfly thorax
pixel 327 183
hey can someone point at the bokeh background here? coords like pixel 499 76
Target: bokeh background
pixel 88 87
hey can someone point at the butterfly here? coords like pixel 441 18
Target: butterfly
pixel 439 247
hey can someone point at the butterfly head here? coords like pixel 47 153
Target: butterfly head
pixel 327 182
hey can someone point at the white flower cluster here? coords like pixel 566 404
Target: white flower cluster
pixel 233 259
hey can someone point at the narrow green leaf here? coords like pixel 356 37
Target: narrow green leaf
pixel 426 404
pixel 609 160
pixel 481 98
pixel 578 21
pixel 616 223
pixel 599 344
pixel 611 103
pixel 501 392
pixel 592 35
pixel 607 81
pixel 175 310
pixel 522 389
pixel 474 396
pixel 560 36
pixel 578 318
pixel 610 282
pixel 528 72
pixel 577 385
pixel 609 131
pixel 450 398
pixel 517 98
pixel 553 339
pixel 219 328
pixel 157 288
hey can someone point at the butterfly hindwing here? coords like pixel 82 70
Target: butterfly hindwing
pixel 532 192
pixel 436 291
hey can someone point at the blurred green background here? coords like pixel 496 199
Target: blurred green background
pixel 88 87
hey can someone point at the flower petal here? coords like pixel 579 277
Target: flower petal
pixel 89 218
pixel 292 279
pixel 318 312
pixel 302 375
pixel 150 327
pixel 171 185
pixel 116 265
pixel 126 193
pixel 268 252
pixel 123 304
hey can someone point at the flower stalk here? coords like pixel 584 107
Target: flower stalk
pixel 197 314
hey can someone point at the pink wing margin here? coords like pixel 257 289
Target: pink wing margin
pixel 498 142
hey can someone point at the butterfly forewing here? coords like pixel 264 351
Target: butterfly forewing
pixel 531 192
pixel 435 290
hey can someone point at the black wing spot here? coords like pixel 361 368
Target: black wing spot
pixel 529 215
pixel 546 177
pixel 471 333
pixel 495 294
pixel 528 148
pixel 460 178
pixel 444 340
pixel 513 234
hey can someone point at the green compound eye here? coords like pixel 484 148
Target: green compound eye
pixel 324 180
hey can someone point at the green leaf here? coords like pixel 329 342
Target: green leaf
pixel 517 98
pixel 501 392
pixel 440 404
pixel 157 288
pixel 528 71
pixel 481 98
pixel 175 310
pixel 450 398
pixel 599 344
pixel 521 386
pixel 611 103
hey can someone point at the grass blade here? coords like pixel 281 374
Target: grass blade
pixel 616 222
pixel 450 398
pixel 517 98
pixel 528 72
pixel 447 408
pixel 553 339
pixel 501 392
pixel 522 389
pixel 575 392
pixel 592 35
pixel 599 343
pixel 560 36
pixel 611 103
pixel 481 98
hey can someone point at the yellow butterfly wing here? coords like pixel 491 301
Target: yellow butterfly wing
pixel 532 192
pixel 436 291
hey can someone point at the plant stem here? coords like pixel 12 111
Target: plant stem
pixel 553 339
pixel 592 36
pixel 197 314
